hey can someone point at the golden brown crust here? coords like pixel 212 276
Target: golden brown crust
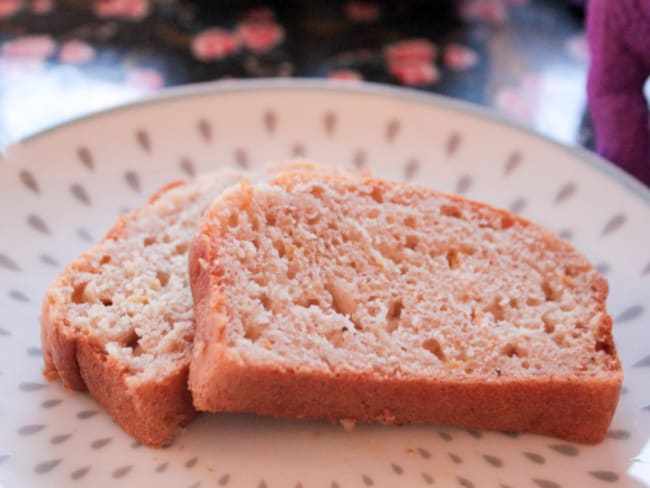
pixel 152 411
pixel 575 408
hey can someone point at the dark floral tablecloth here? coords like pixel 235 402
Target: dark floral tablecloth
pixel 62 58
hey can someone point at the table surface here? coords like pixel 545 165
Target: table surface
pixel 62 58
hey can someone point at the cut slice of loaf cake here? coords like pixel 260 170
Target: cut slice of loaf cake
pixel 322 297
pixel 118 321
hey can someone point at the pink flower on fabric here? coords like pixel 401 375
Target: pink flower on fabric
pixel 122 9
pixel 412 49
pixel 578 48
pixel 214 43
pixel 515 103
pixel 9 7
pixel 414 72
pixel 491 11
pixel 148 79
pixel 345 75
pixel 260 14
pixel 29 47
pixel 260 36
pixel 459 58
pixel 76 52
pixel 41 7
pixel 15 68
pixel 360 11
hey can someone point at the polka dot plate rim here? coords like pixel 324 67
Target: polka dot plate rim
pixel 63 187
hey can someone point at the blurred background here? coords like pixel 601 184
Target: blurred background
pixel 527 59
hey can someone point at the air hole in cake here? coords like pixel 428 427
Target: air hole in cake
pixel 533 301
pixel 452 259
pixel 507 222
pixel 266 302
pixel 270 220
pixel 513 350
pixel 78 293
pixel 335 337
pixel 148 241
pixel 549 293
pixel 233 220
pixel 412 241
pixel 467 249
pixel 434 347
pixel 317 191
pixel 451 211
pixel 411 222
pixel 132 341
pixel 549 325
pixel 105 260
pixel 280 248
pixel 163 277
pixel 373 213
pixel 377 195
pixel 605 346
pixel 393 314
pixel 107 302
pixel 181 248
pixel 251 332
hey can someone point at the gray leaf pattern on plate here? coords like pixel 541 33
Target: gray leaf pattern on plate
pixel 453 143
pixel 77 474
pixel 205 130
pixel 31 386
pixel 86 158
pixel 121 472
pixel 38 224
pixel 270 121
pixel 80 193
pixel 8 263
pixel 19 296
pixel 565 449
pixel 99 443
pixel 329 123
pixel 359 159
pixel 46 466
pixel 464 184
pixel 630 313
pixel 28 179
pixel 392 129
pixel 241 158
pixel 566 191
pixel 132 180
pixel 51 403
pixel 534 457
pixel 464 482
pixel 543 483
pixel 187 166
pixel 608 476
pixel 30 429
pixel 143 140
pixel 59 439
pixel 642 363
pixel 86 414
pixel 513 162
pixel 410 169
pixel 614 224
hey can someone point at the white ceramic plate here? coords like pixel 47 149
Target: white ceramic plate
pixel 61 189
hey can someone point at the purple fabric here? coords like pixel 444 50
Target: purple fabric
pixel 619 42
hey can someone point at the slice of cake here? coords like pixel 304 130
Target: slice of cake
pixel 322 296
